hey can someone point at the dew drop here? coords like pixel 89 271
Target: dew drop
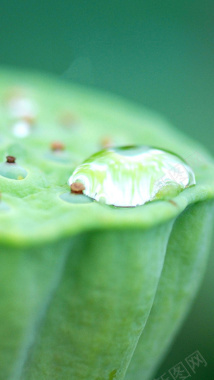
pixel 133 175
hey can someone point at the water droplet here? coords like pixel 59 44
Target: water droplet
pixel 11 170
pixel 75 198
pixel 133 175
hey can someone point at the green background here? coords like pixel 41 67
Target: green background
pixel 158 53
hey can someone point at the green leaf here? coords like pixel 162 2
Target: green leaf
pixel 89 291
pixel 183 268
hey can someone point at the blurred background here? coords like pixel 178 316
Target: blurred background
pixel 158 53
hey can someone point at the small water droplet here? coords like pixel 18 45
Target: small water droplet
pixel 133 175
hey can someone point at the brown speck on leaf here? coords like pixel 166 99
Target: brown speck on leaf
pixel 173 203
pixel 14 93
pixel 68 119
pixel 57 146
pixel 106 142
pixel 77 188
pixel 29 119
pixel 10 159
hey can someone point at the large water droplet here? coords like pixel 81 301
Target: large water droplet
pixel 133 175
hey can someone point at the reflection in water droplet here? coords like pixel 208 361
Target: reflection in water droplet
pixel 12 171
pixel 132 176
pixel 75 198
